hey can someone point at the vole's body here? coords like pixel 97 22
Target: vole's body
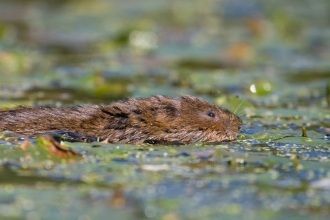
pixel 159 118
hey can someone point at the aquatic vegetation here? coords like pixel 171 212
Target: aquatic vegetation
pixel 266 62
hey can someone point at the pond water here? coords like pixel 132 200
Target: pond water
pixel 268 62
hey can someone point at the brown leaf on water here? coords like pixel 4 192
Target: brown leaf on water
pixel 239 52
pixel 56 148
pixel 257 26
pixel 118 200
pixel 25 145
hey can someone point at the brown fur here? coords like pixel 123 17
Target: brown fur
pixel 158 118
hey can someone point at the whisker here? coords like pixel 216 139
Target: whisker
pixel 242 116
pixel 238 106
pixel 241 112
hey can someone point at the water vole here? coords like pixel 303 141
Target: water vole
pixel 146 120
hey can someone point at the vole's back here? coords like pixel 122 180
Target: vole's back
pixel 31 121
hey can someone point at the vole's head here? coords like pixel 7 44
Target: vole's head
pixel 207 122
pixel 161 119
pixel 189 119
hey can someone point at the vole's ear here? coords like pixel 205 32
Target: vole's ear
pixel 188 97
pixel 191 99
pixel 159 96
pixel 176 104
pixel 192 102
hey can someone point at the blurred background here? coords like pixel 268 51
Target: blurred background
pixel 57 52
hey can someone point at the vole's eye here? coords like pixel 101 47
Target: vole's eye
pixel 211 114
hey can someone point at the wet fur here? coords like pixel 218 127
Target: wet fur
pixel 155 119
